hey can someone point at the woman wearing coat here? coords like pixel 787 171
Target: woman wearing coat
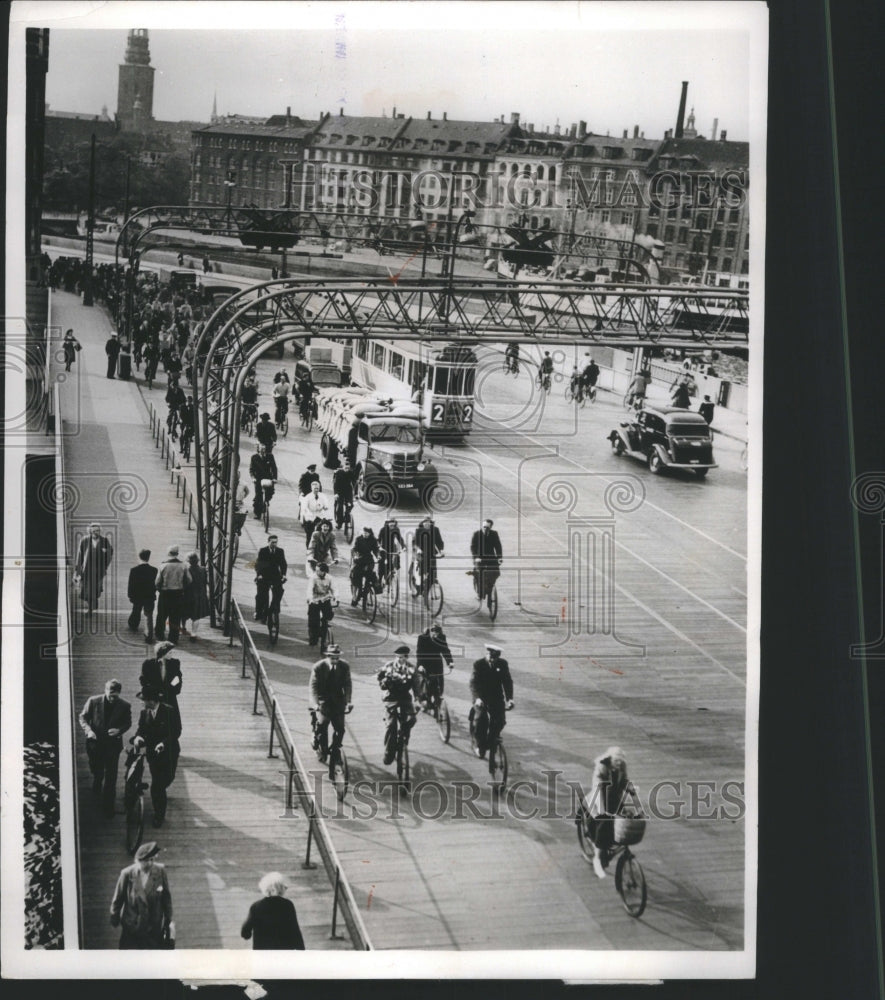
pixel 142 903
pixel 272 922
pixel 70 345
pixel 196 596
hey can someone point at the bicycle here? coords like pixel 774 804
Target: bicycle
pixel 266 486
pixel 545 381
pixel 187 435
pixel 325 635
pixel 497 753
pixel 633 403
pixel 491 598
pixel 250 415
pixel 339 772
pixel 172 424
pixel 133 797
pixel 390 580
pixel 239 522
pixel 629 876
pixel 363 592
pixel 282 416
pixel 273 618
pixel 432 594
pixel 574 393
pixel 347 520
pixel 401 735
pixel 309 415
pixel 511 366
pixel 436 704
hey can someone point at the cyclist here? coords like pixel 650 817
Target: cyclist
pixel 362 570
pixel 322 547
pixel 427 545
pixel 681 391
pixel 431 654
pixel 511 357
pixel 175 399
pixel 307 403
pixel 281 389
pixel 636 391
pixel 589 377
pixel 576 385
pixel 186 417
pixel 397 680
pixel 151 357
pixel 313 508
pixel 308 478
pixel 331 693
pixel 270 574
pixel 240 513
pixel 485 547
pixel 491 688
pixel 249 397
pixel 342 488
pixel 390 543
pixel 262 466
pixel 266 433
pixel 321 598
pixel 545 369
pixel 608 789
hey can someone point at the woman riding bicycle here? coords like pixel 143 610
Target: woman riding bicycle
pixel 609 788
pixel 322 547
pixel 321 598
pixel 363 556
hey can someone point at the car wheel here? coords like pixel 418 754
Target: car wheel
pixel 702 473
pixel 654 462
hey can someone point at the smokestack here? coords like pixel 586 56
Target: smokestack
pixel 680 118
pixel 624 136
pixel 514 118
pixel 428 116
pixel 635 131
pixel 341 112
pixel 288 112
pixel 393 113
pixel 445 116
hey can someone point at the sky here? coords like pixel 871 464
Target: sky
pixel 613 66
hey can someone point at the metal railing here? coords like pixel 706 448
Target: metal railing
pixel 178 476
pixel 297 788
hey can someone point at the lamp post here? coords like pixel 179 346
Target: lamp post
pixel 230 183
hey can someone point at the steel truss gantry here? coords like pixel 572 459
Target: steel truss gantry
pixel 271 313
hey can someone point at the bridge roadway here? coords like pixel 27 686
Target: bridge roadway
pixel 438 871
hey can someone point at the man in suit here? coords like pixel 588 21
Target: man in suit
pixel 428 543
pixel 307 479
pixel 491 688
pixel 331 692
pixel 485 547
pixel 112 349
pixel 270 574
pixel 142 903
pixel 142 593
pixel 163 672
pixel 104 720
pixel 262 466
pixel 93 559
pixel 155 734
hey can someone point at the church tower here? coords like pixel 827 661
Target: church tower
pixel 135 88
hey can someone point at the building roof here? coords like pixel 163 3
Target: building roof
pixel 77 116
pixel 705 154
pixel 296 128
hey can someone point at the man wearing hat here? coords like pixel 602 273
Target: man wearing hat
pixel 104 720
pixel 397 679
pixel 172 580
pixel 155 734
pixel 262 467
pixel 491 688
pixel 270 575
pixel 331 695
pixel 485 547
pixel 266 432
pixel 112 349
pixel 142 903
pixel 308 478
pixel 432 654
pixel 163 672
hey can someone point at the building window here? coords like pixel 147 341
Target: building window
pixel 726 264
pixel 716 238
pixel 378 355
pixel 652 229
pixel 745 266
pixel 729 240
pixel 668 234
pixel 683 235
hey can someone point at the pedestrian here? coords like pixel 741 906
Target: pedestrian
pixel 142 902
pixel 104 720
pixel 70 346
pixel 112 349
pixel 171 582
pixel 154 733
pixel 93 559
pixel 206 265
pixel 163 672
pixel 196 596
pixel 141 591
pixel 272 922
pixel 308 478
pixel 707 409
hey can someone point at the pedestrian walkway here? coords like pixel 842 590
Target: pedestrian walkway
pixel 226 824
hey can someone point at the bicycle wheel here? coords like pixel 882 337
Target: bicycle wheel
pixel 584 841
pixel 284 425
pixel 569 394
pixel 348 527
pixel 443 720
pixel 327 636
pixel 498 766
pixel 273 627
pixel 402 763
pixel 630 883
pixel 134 825
pixel 236 548
pixel 433 598
pixel 266 515
pixel 370 604
pixel 392 588
pixel 414 578
pixel 492 602
pixel 339 774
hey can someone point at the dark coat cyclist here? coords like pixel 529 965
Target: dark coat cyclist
pixel 262 466
pixel 428 546
pixel 331 695
pixel 432 655
pixel 485 547
pixel 491 688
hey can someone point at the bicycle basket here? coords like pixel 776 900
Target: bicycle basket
pixel 629 829
pixel 266 482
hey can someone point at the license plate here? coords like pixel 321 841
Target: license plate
pixel 407 486
pixel 695 461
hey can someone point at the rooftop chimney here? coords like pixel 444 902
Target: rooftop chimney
pixel 514 117
pixel 624 136
pixel 635 131
pixel 582 130
pixel 428 116
pixel 393 113
pixel 531 128
pixel 288 112
pixel 573 131
pixel 715 128
pixel 680 118
pixel 341 112
pixel 722 135
pixel 445 116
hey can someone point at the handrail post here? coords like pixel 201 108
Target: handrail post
pixel 255 699
pixel 308 864
pixel 333 936
pixel 243 640
pixel 273 720
pixel 190 510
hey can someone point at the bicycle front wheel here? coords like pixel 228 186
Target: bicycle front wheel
pixel 134 825
pixel 284 426
pixel 266 516
pixel 492 602
pixel 498 767
pixel 433 598
pixel 414 578
pixel 370 604
pixel 584 841
pixel 630 883
pixel 443 720
pixel 273 627
pixel 393 588
pixel 340 774
pixel 402 764
pixel 348 528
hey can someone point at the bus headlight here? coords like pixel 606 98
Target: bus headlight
pixel 421 466
pixel 388 466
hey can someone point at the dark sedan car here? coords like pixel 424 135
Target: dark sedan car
pixel 666 438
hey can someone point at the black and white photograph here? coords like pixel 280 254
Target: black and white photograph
pixel 383 449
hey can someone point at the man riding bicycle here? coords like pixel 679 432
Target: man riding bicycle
pixel 321 598
pixel 175 399
pixel 362 571
pixel 266 433
pixel 491 688
pixel 636 393
pixel 270 574
pixel 427 545
pixel 331 695
pixel 282 388
pixel 262 468
pixel 390 544
pixel 342 488
pixel 485 547
pixel 511 357
pixel 589 377
pixel 186 417
pixel 609 789
pixel 249 398
pixel 397 680
pixel 322 547
pixel 545 369
pixel 432 654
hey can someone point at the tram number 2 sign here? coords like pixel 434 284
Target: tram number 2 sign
pixel 451 413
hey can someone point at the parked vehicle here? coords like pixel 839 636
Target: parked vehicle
pixel 666 438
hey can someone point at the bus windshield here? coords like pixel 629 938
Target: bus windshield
pixel 404 433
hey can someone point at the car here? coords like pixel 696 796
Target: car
pixel 666 438
pixel 318 373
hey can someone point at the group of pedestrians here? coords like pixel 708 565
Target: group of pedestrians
pixel 177 589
